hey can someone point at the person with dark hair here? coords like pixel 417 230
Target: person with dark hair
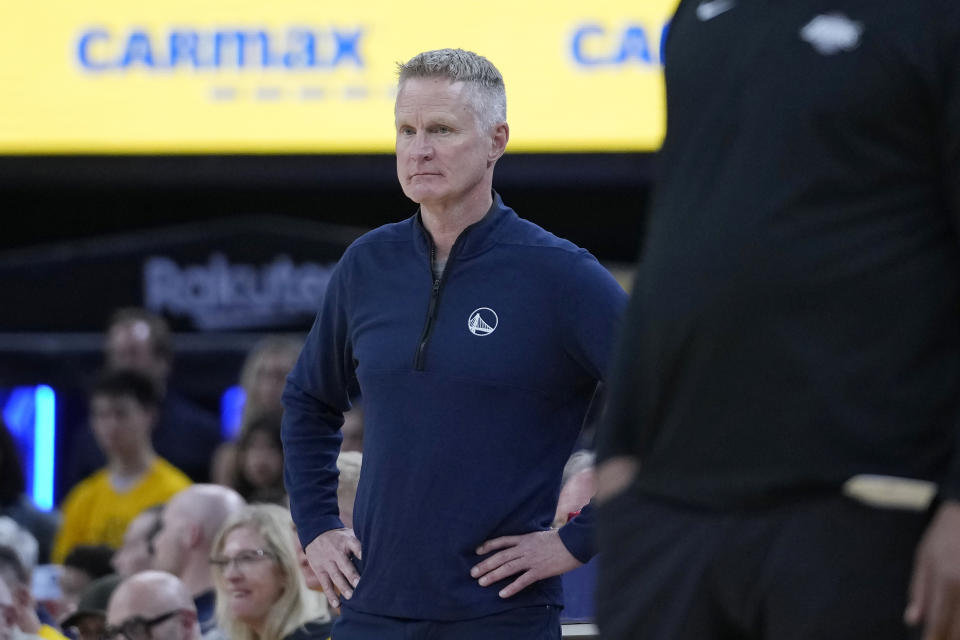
pixel 136 553
pixel 258 467
pixel 185 433
pixel 89 620
pixel 84 564
pixel 123 409
pixel 16 504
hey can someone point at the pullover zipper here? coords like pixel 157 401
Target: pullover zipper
pixel 434 296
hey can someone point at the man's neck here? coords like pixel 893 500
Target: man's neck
pixel 196 577
pixel 446 223
pixel 132 466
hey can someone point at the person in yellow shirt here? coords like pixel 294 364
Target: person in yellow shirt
pixel 123 410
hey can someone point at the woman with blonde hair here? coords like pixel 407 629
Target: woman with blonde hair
pixel 261 592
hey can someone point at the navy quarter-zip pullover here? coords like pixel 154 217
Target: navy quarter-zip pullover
pixel 475 386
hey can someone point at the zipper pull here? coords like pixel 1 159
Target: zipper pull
pixel 436 286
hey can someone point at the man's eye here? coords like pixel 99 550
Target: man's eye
pixel 443 129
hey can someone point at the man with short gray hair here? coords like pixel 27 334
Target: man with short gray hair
pixel 477 340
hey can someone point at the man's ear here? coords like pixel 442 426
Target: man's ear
pixel 193 535
pixel 498 140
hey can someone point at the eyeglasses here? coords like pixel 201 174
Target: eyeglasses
pixel 138 627
pixel 243 559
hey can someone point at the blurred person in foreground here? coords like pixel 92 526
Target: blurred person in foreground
pixel 477 340
pixel 262 377
pixel 780 458
pixel 182 546
pixel 151 605
pixel 123 412
pixel 136 553
pixel 16 576
pixel 16 504
pixel 89 619
pixel 186 434
pixel 261 591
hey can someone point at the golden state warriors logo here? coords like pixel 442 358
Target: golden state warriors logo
pixel 482 322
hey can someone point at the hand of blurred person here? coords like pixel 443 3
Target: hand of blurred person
pixel 614 475
pixel 935 586
pixel 329 557
pixel 535 556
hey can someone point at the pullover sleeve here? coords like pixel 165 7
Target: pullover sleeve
pixel 593 301
pixel 314 399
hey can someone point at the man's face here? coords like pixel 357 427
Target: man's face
pixel 120 424
pixel 130 346
pixel 138 616
pixel 442 156
pixel 170 553
pixel 136 553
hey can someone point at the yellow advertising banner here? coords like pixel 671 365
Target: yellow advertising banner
pixel 310 76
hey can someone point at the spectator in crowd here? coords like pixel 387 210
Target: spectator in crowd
pixel 136 553
pixel 89 619
pixel 16 504
pixel 348 463
pixel 17 538
pixel 188 525
pixel 8 614
pixel 151 605
pixel 258 462
pixel 577 488
pixel 261 592
pixel 16 576
pixel 262 377
pixel 483 373
pixel 84 564
pixel 123 411
pixel 185 434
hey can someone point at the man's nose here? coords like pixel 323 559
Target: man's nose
pixel 422 148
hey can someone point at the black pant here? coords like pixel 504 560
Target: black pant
pixel 524 623
pixel 819 569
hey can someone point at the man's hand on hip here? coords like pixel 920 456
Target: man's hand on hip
pixel 329 557
pixel 935 587
pixel 534 556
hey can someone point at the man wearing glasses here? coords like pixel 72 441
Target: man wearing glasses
pixel 152 605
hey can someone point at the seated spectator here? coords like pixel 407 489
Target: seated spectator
pixel 89 619
pixel 123 410
pixel 186 434
pixel 8 615
pixel 188 525
pixel 261 592
pixel 16 504
pixel 262 377
pixel 84 564
pixel 16 577
pixel 258 461
pixel 348 462
pixel 136 553
pixel 151 605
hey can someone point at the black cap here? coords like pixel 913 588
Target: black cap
pixel 93 599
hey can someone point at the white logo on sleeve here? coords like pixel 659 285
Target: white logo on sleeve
pixel 483 321
pixel 710 9
pixel 832 33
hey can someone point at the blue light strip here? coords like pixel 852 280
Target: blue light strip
pixel 231 411
pixel 44 446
